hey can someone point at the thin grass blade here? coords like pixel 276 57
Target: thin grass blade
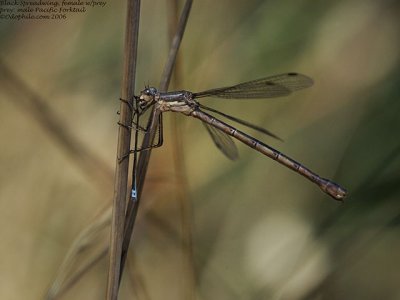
pixel 124 137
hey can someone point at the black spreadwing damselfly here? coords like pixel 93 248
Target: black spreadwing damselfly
pixel 186 102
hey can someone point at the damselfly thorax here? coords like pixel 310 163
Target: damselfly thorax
pixel 177 101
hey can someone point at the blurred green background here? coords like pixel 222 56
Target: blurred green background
pixel 258 230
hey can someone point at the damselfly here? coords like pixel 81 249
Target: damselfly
pixel 274 86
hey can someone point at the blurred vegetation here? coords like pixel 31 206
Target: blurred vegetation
pixel 259 230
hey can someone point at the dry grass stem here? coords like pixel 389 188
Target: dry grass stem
pixel 150 134
pixel 124 136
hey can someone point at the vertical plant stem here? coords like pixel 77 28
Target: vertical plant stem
pixel 176 42
pixel 150 135
pixel 182 194
pixel 124 136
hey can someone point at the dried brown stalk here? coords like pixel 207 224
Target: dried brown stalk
pixel 124 136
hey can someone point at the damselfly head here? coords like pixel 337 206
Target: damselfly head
pixel 147 95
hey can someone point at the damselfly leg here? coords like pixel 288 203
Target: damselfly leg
pixel 137 112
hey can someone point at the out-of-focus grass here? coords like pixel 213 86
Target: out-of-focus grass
pixel 260 231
